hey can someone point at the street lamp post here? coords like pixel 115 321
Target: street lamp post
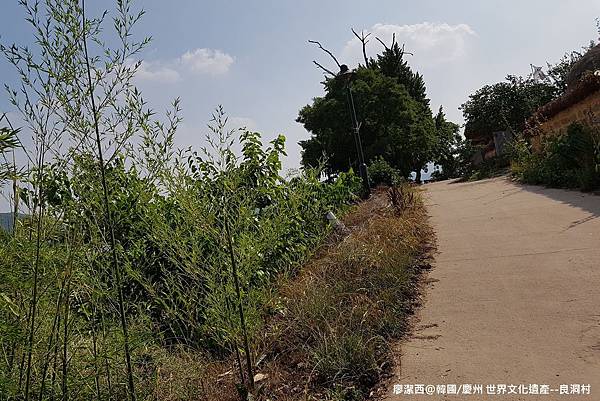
pixel 347 76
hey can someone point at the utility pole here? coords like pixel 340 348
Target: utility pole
pixel 347 75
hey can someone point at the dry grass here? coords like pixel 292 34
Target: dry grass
pixel 330 337
pixel 331 340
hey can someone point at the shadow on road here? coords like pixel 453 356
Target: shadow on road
pixel 585 201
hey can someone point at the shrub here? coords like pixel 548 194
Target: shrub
pixel 381 172
pixel 172 239
pixel 568 160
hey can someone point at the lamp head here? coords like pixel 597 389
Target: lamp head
pixel 345 73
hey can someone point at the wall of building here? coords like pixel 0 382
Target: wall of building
pixel 582 111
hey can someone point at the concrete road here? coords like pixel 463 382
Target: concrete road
pixel 514 295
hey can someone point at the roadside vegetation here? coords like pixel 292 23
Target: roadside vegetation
pixel 331 327
pixel 351 300
pixel 139 271
pixel 569 159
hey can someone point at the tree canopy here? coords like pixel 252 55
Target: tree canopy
pixel 505 105
pixel 508 104
pixel 392 107
pixel 452 154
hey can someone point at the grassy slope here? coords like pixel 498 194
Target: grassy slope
pixel 330 334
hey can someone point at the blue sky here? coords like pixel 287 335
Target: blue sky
pixel 253 57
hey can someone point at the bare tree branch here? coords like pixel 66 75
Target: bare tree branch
pixel 404 51
pixel 326 51
pixel 381 41
pixel 393 43
pixel 364 40
pixel 324 69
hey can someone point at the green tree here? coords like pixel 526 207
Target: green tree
pixel 504 106
pixel 393 109
pixel 391 63
pixel 449 145
pixel 393 124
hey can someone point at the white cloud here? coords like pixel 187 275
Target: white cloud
pixel 207 61
pixel 198 61
pixel 430 42
pixel 154 71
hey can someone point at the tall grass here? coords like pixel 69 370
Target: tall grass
pixel 135 256
pixel 332 338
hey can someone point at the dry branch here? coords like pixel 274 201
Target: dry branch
pixel 326 51
pixel 382 43
pixel 404 51
pixel 324 69
pixel 393 43
pixel 364 40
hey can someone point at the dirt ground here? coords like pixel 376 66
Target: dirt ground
pixel 514 295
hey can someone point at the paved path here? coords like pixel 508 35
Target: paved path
pixel 514 297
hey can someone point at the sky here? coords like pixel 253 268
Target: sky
pixel 253 57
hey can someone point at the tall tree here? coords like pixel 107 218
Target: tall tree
pixel 393 124
pixel 392 107
pixel 392 64
pixel 449 145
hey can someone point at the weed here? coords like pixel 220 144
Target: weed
pixel 351 300
pixel 567 160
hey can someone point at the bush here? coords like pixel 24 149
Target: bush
pixel 569 160
pixel 172 238
pixel 381 172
